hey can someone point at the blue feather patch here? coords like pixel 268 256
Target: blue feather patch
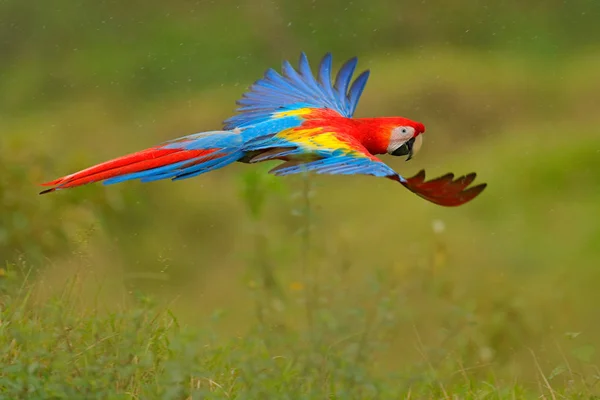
pixel 293 87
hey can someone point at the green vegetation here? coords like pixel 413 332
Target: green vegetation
pixel 56 347
pixel 238 284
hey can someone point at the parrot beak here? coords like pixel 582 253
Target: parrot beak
pixel 410 144
pixel 416 146
pixel 410 148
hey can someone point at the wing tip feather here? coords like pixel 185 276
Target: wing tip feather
pixel 445 190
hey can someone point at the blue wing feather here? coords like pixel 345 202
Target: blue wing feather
pixel 356 90
pixel 342 81
pixel 293 87
pixel 325 79
pixel 307 75
pixel 342 165
pixel 295 79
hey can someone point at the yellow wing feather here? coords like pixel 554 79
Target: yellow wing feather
pixel 312 139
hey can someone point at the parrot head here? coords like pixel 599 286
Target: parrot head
pixel 405 138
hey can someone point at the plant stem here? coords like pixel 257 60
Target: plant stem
pixel 307 271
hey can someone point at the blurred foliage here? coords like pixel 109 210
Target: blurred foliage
pixel 57 50
pixel 31 228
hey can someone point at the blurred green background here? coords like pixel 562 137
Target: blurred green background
pixel 509 89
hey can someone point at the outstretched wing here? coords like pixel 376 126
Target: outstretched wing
pixel 322 151
pixel 300 89
pixel 318 150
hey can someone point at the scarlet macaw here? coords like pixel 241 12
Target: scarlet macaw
pixel 303 121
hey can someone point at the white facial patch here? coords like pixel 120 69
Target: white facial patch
pixel 399 136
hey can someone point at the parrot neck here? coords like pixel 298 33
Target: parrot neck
pixel 374 134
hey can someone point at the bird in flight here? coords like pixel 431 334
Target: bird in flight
pixel 304 120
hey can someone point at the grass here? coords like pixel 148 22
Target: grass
pixel 59 348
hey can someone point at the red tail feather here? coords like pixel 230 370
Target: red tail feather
pixel 141 161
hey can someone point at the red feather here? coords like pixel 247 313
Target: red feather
pixel 135 162
pixel 444 190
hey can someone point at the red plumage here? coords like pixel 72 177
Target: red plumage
pixel 140 161
pixel 445 190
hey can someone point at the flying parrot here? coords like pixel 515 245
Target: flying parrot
pixel 306 122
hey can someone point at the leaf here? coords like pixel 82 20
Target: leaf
pixel 572 335
pixel 557 371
